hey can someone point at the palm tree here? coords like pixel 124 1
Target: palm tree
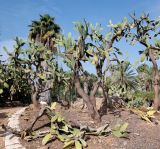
pixel 44 31
pixel 123 77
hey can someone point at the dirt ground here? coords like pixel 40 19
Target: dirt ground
pixel 142 135
pixel 5 113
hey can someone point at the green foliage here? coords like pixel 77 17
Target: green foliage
pixel 144 77
pixel 68 134
pixel 64 88
pixel 92 47
pixel 143 95
pixel 123 79
pixel 3 83
pixel 24 68
pixel 135 103
pixel 64 132
pixel 143 68
pixel 145 30
pixel 13 83
pixel 139 99
pixel 73 134
pixel 119 130
pixel 44 31
pixel 46 139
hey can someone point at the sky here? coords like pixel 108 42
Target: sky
pixel 16 15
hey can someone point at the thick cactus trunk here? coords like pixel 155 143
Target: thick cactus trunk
pixel 89 100
pixel 155 79
pixel 45 94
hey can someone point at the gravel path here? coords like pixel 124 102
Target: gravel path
pixel 11 141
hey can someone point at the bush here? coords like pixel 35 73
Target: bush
pixel 138 99
pixel 136 103
pixel 144 95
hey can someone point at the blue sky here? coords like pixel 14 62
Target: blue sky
pixel 16 15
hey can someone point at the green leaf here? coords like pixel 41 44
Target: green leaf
pixel 108 36
pixel 46 139
pixel 1 91
pixel 76 132
pixel 102 129
pixel 117 134
pixel 117 127
pixel 132 43
pixel 54 118
pixel 123 127
pixel 65 128
pixel 68 144
pixel 107 55
pixel 83 142
pixel 61 137
pixel 143 57
pixel 53 131
pixel 157 41
pixel 60 119
pixel 53 126
pixel 6 85
pixel 42 76
pixel 69 35
pixel 78 145
pixel 53 106
pixel 95 59
pixel 119 130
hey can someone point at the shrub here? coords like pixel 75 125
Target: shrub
pixel 135 103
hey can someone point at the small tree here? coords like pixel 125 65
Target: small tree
pixel 75 53
pixel 13 72
pixel 25 65
pixel 91 47
pixel 146 31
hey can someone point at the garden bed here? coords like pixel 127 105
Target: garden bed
pixel 142 135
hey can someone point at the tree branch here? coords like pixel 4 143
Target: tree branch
pixel 95 88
